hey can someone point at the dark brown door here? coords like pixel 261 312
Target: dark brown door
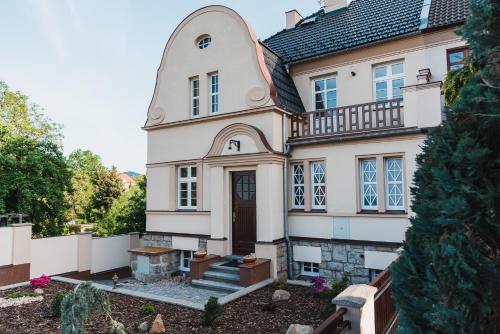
pixel 244 213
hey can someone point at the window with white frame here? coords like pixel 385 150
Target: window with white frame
pixel 195 97
pixel 186 257
pixel 187 187
pixel 318 185
pixel 325 93
pixel 394 188
pixel 309 268
pixel 368 178
pixel 298 186
pixel 214 93
pixel 387 81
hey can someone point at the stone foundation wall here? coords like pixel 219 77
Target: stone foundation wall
pixel 337 258
pixel 281 262
pixel 157 240
pixel 160 266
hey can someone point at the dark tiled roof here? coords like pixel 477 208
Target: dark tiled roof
pixel 285 88
pixel 362 22
pixel 447 12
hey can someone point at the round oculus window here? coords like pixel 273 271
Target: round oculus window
pixel 204 42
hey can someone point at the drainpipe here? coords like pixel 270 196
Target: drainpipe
pixel 286 152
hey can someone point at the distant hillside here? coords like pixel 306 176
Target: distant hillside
pixel 131 174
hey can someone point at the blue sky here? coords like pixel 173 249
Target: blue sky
pixel 91 64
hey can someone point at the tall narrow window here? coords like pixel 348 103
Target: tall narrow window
pixel 298 186
pixel 368 177
pixel 195 97
pixel 387 81
pixel 187 187
pixel 318 185
pixel 325 93
pixel 214 93
pixel 394 184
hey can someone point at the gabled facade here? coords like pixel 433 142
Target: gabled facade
pixel 300 148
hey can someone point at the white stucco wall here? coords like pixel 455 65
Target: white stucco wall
pixel 110 253
pixel 52 256
pixel 5 246
pixel 188 223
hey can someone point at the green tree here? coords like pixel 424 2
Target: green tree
pixel 34 180
pixel 108 187
pixel 24 118
pixel 86 166
pixel 128 212
pixel 447 279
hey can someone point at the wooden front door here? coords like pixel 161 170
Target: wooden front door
pixel 244 213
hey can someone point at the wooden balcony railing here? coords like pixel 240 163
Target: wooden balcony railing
pixel 385 306
pixel 349 119
pixel 334 324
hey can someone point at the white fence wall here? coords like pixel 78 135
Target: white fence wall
pixel 110 253
pixel 6 235
pixel 52 256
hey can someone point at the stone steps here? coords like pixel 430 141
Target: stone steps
pixel 222 276
pixel 216 285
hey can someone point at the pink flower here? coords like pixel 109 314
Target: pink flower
pixel 40 282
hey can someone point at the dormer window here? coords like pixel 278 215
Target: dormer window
pixel 204 41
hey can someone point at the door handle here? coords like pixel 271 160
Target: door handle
pixel 234 216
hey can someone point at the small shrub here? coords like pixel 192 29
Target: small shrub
pixel 40 282
pixel 280 284
pixel 148 309
pixel 74 229
pixel 319 285
pixel 56 304
pixel 212 311
pixel 20 294
pixel 328 294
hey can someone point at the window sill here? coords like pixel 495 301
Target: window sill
pixel 186 210
pixel 376 212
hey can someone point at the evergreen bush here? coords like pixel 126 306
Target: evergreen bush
pixel 148 309
pixel 447 279
pixel 212 311
pixel 56 304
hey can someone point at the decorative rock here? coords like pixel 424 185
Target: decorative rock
pixel 281 295
pixel 299 329
pixel 143 327
pixel 158 327
pixel 19 301
pixel 38 291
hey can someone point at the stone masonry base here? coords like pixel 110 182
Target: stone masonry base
pixel 339 258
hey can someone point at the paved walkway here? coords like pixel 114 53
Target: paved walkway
pixel 171 289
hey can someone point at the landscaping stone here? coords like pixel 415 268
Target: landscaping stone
pixel 19 301
pixel 281 295
pixel 299 329
pixel 38 291
pixel 143 327
pixel 158 327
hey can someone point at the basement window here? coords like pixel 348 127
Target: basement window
pixel 309 269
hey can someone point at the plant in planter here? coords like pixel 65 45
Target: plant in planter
pixel 200 254
pixel 78 305
pixel 251 258
pixel 40 282
pixel 212 311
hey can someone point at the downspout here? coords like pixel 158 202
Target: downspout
pixel 286 152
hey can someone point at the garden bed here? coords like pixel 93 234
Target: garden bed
pixel 244 315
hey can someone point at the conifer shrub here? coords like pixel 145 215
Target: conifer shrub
pixel 56 304
pixel 148 309
pixel 212 311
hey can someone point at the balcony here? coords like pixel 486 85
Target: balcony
pixel 380 115
pixel 422 108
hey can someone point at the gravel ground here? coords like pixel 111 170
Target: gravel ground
pixel 244 315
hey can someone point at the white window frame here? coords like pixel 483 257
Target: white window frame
pixel 388 78
pixel 189 180
pixel 388 183
pixel 369 183
pixel 195 97
pixel 296 186
pixel 309 272
pixel 317 184
pixel 183 257
pixel 214 99
pixel 325 91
